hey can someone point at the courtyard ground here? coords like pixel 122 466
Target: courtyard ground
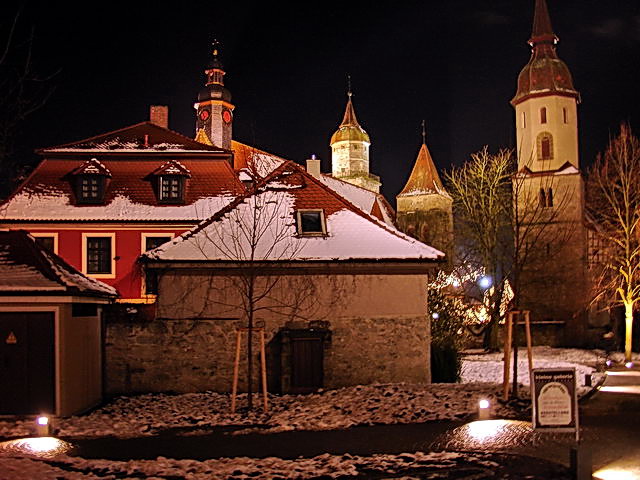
pixel 204 415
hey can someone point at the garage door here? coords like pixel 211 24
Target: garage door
pixel 27 362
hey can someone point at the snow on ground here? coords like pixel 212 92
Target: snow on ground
pixel 433 465
pixel 331 409
pixel 488 367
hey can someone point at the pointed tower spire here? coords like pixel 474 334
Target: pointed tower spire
pixel 542 31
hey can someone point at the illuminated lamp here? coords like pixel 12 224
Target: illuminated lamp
pixel 435 315
pixel 484 282
pixel 43 427
pixel 483 409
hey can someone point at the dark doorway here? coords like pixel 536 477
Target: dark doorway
pixel 27 370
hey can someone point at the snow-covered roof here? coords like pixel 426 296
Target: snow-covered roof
pixel 26 267
pixel 368 201
pixel 144 137
pixel 130 193
pixel 269 213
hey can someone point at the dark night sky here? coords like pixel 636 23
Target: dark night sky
pixel 453 63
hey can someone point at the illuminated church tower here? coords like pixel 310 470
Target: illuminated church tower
pixel 350 152
pixel 549 187
pixel 424 208
pixel 214 110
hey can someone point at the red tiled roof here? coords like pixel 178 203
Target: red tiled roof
pixel 133 138
pixel 208 178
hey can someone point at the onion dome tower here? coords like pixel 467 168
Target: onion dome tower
pixel 546 103
pixel 424 208
pixel 350 152
pixel 549 189
pixel 214 110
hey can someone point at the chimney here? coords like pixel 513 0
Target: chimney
pixel 313 166
pixel 159 115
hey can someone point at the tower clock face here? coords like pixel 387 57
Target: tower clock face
pixel 226 116
pixel 204 115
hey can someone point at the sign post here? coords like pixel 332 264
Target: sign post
pixel 555 400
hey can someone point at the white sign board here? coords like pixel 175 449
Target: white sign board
pixel 555 399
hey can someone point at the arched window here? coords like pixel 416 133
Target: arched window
pixel 543 115
pixel 545 146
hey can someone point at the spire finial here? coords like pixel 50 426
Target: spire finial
pixel 216 47
pixel 349 92
pixel 424 131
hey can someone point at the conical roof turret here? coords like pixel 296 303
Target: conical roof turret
pixel 424 178
pixel 350 129
pixel 545 74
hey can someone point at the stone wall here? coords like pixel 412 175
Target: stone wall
pixel 184 352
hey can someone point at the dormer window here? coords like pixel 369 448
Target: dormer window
pixel 90 182
pixel 171 188
pixel 311 222
pixel 170 182
pixel 90 188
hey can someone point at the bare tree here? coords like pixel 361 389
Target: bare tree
pixel 23 91
pixel 614 202
pixel 482 204
pixel 254 243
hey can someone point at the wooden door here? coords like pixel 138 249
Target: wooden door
pixel 306 363
pixel 27 362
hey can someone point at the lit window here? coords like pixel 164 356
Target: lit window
pixel 99 255
pixel 171 188
pixel 90 188
pixel 543 115
pixel 311 222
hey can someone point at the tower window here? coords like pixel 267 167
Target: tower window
pixel 565 115
pixel 545 146
pixel 524 120
pixel 543 115
pixel 545 197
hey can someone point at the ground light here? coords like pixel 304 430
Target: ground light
pixel 39 446
pixel 43 427
pixel 628 364
pixel 483 409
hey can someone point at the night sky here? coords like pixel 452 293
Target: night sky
pixel 453 63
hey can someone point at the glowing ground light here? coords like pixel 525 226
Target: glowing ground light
pixel 616 474
pixel 39 446
pixel 628 364
pixel 484 430
pixel 42 421
pixel 483 403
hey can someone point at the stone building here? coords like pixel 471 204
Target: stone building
pixel 341 296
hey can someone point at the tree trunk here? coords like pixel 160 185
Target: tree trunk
pixel 628 318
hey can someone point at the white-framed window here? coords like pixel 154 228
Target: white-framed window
pixel 90 188
pixel 149 241
pixel 171 188
pixel 99 254
pixel 47 240
pixel 311 222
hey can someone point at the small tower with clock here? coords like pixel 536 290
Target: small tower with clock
pixel 214 110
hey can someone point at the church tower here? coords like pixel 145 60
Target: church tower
pixel 214 110
pixel 549 187
pixel 350 152
pixel 424 208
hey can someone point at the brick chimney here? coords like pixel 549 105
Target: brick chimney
pixel 159 115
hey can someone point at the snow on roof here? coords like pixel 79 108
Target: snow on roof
pixel 130 194
pixel 25 266
pixel 258 162
pixel 270 215
pixel 58 206
pixel 362 198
